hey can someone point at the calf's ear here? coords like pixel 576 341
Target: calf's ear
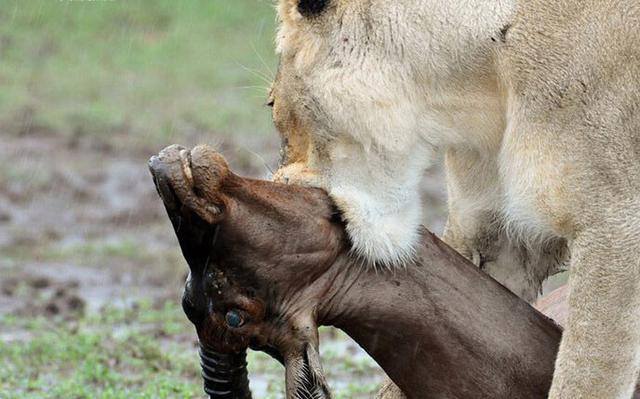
pixel 311 8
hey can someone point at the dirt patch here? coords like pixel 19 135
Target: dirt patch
pixel 81 225
pixel 41 296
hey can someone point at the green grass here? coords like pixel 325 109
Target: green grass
pixel 93 253
pixel 144 70
pixel 96 251
pixel 115 354
pixel 141 352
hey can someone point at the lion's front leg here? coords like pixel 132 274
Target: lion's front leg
pixel 599 355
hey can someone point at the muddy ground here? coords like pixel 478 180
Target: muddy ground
pixel 82 230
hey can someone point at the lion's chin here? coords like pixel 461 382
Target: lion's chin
pixel 384 235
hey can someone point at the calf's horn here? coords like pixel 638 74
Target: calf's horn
pixel 225 375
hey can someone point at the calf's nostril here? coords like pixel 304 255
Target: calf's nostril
pixel 156 168
pixel 165 191
pixel 151 163
pixel 193 312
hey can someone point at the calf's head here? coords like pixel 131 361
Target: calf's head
pixel 261 258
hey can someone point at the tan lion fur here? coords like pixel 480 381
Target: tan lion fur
pixel 535 106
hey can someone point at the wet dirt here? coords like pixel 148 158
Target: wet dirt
pixel 82 226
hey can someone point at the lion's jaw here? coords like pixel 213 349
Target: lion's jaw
pixel 378 195
pixel 381 232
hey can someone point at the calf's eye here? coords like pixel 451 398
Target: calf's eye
pixel 234 319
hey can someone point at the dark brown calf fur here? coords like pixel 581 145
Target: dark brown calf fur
pixel 276 258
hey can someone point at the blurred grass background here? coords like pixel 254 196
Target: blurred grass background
pixel 90 273
pixel 148 70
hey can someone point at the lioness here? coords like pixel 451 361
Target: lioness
pixel 535 105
